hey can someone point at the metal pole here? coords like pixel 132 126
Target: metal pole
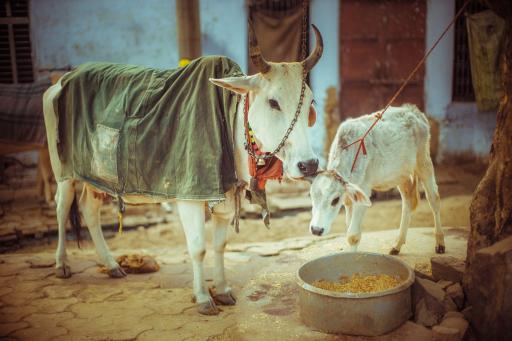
pixel 189 30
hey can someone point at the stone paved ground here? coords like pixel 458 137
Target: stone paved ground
pixel 34 305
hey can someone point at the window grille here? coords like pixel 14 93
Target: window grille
pixel 274 5
pixel 462 83
pixel 15 48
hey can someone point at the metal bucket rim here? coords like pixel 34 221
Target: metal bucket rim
pixel 405 284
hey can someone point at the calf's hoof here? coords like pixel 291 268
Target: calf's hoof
pixel 394 251
pixel 63 271
pixel 440 249
pixel 225 299
pixel 117 272
pixel 208 308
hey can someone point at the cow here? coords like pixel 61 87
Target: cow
pixel 397 155
pixel 44 172
pixel 274 95
pixel 23 128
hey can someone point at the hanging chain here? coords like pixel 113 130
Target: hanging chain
pixel 304 51
pixel 304 33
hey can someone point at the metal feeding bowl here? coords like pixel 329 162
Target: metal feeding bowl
pixel 369 314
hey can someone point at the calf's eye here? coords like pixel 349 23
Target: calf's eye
pixel 274 104
pixel 335 201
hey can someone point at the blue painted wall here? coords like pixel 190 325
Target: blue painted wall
pixel 70 32
pixel 224 29
pixel 325 15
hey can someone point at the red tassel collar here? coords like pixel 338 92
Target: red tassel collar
pixel 272 168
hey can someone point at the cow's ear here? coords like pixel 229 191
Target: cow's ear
pixel 312 116
pixel 240 85
pixel 356 194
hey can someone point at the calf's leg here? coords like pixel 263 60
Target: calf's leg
pixel 192 218
pixel 407 191
pixel 348 213
pixel 221 217
pixel 426 174
pixel 90 204
pixel 64 198
pixel 354 229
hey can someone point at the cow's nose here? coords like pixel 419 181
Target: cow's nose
pixel 309 167
pixel 317 231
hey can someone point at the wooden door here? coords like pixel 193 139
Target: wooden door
pixel 380 43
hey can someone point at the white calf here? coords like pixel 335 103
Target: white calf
pixel 398 155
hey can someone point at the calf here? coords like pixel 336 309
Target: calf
pixel 398 155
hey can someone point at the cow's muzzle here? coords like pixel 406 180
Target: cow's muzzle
pixel 309 167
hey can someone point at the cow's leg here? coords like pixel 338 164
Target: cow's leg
pixel 221 217
pixel 90 204
pixel 354 229
pixel 39 180
pixel 192 218
pixel 407 190
pixel 426 174
pixel 45 173
pixel 64 199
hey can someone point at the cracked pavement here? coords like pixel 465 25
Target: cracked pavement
pixel 35 305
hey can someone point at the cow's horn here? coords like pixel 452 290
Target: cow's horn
pixel 255 52
pixel 313 58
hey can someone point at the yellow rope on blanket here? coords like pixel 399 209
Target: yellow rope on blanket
pixel 120 219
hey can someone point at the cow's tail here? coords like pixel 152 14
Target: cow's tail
pixel 74 218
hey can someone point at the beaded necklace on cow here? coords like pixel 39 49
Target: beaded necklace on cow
pixel 378 115
pixel 258 157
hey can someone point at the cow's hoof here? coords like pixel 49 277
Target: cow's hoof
pixel 440 249
pixel 117 272
pixel 208 308
pixel 63 271
pixel 225 299
pixel 394 251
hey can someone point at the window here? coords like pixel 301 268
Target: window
pixel 15 48
pixel 462 83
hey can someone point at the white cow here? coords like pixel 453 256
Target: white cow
pixel 274 96
pixel 397 156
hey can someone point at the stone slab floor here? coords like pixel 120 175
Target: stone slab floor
pixel 34 305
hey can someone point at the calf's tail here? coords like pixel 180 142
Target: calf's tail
pixel 415 193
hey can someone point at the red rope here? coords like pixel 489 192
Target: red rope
pixel 361 146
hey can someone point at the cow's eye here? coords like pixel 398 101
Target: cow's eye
pixel 335 201
pixel 274 104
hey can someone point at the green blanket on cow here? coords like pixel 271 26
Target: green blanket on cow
pixel 135 130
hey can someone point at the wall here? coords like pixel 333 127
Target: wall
pixel 325 15
pixel 439 65
pixel 71 32
pixel 67 33
pixel 463 130
pixel 224 29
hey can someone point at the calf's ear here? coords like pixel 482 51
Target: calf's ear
pixel 240 85
pixel 356 194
